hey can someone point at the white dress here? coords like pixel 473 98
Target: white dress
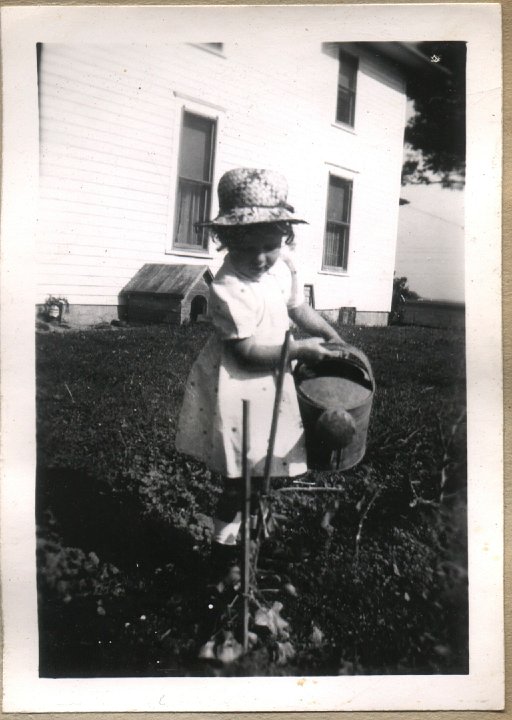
pixel 210 423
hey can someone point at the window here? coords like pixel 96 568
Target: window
pixel 347 80
pixel 194 188
pixel 337 226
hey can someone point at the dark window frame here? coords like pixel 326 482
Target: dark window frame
pixel 347 94
pixel 337 226
pixel 182 181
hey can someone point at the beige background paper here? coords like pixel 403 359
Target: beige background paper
pixel 18 402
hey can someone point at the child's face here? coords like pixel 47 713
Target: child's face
pixel 256 252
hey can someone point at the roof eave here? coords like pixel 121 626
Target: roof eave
pixel 408 56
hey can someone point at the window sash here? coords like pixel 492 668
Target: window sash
pixel 196 144
pixel 192 206
pixel 336 246
pixel 338 200
pixel 347 83
pixel 346 106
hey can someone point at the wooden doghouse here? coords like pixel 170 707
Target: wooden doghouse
pixel 171 294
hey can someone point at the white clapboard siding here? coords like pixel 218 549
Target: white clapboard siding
pixel 107 151
pixel 66 169
pixel 102 207
pixel 105 270
pixel 108 283
pixel 99 235
pixel 99 93
pixel 100 267
pixel 86 109
pixel 104 194
pixel 101 69
pixel 81 236
pixel 108 132
pixel 63 252
pixel 108 163
pixel 85 294
pixel 105 157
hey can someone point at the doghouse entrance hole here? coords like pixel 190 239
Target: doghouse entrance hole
pixel 198 307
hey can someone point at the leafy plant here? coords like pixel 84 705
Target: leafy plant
pixel 52 301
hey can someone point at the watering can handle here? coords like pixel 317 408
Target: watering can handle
pixel 356 355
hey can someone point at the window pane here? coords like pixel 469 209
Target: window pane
pixel 338 200
pixel 192 206
pixel 345 106
pixel 196 145
pixel 347 71
pixel 347 79
pixel 336 246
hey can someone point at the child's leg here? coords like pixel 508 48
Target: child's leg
pixel 226 526
pixel 256 490
pixel 228 516
pixel 224 567
pixel 225 560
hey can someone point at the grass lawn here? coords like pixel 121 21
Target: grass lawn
pixel 123 521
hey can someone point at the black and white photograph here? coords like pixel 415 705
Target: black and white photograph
pixel 262 436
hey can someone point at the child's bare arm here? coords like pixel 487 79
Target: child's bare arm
pixel 313 323
pixel 267 356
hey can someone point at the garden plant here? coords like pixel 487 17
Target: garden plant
pixel 365 571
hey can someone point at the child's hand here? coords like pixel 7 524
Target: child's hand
pixel 311 350
pixel 335 338
pixel 342 348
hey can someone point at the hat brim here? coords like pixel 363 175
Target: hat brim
pixel 251 216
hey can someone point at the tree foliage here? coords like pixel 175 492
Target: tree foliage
pixel 435 135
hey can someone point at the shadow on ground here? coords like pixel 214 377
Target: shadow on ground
pixel 109 581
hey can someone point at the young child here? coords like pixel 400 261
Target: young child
pixel 252 298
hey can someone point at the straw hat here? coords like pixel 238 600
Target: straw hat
pixel 248 196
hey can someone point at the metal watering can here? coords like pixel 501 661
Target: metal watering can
pixel 335 400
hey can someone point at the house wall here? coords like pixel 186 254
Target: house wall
pixel 109 141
